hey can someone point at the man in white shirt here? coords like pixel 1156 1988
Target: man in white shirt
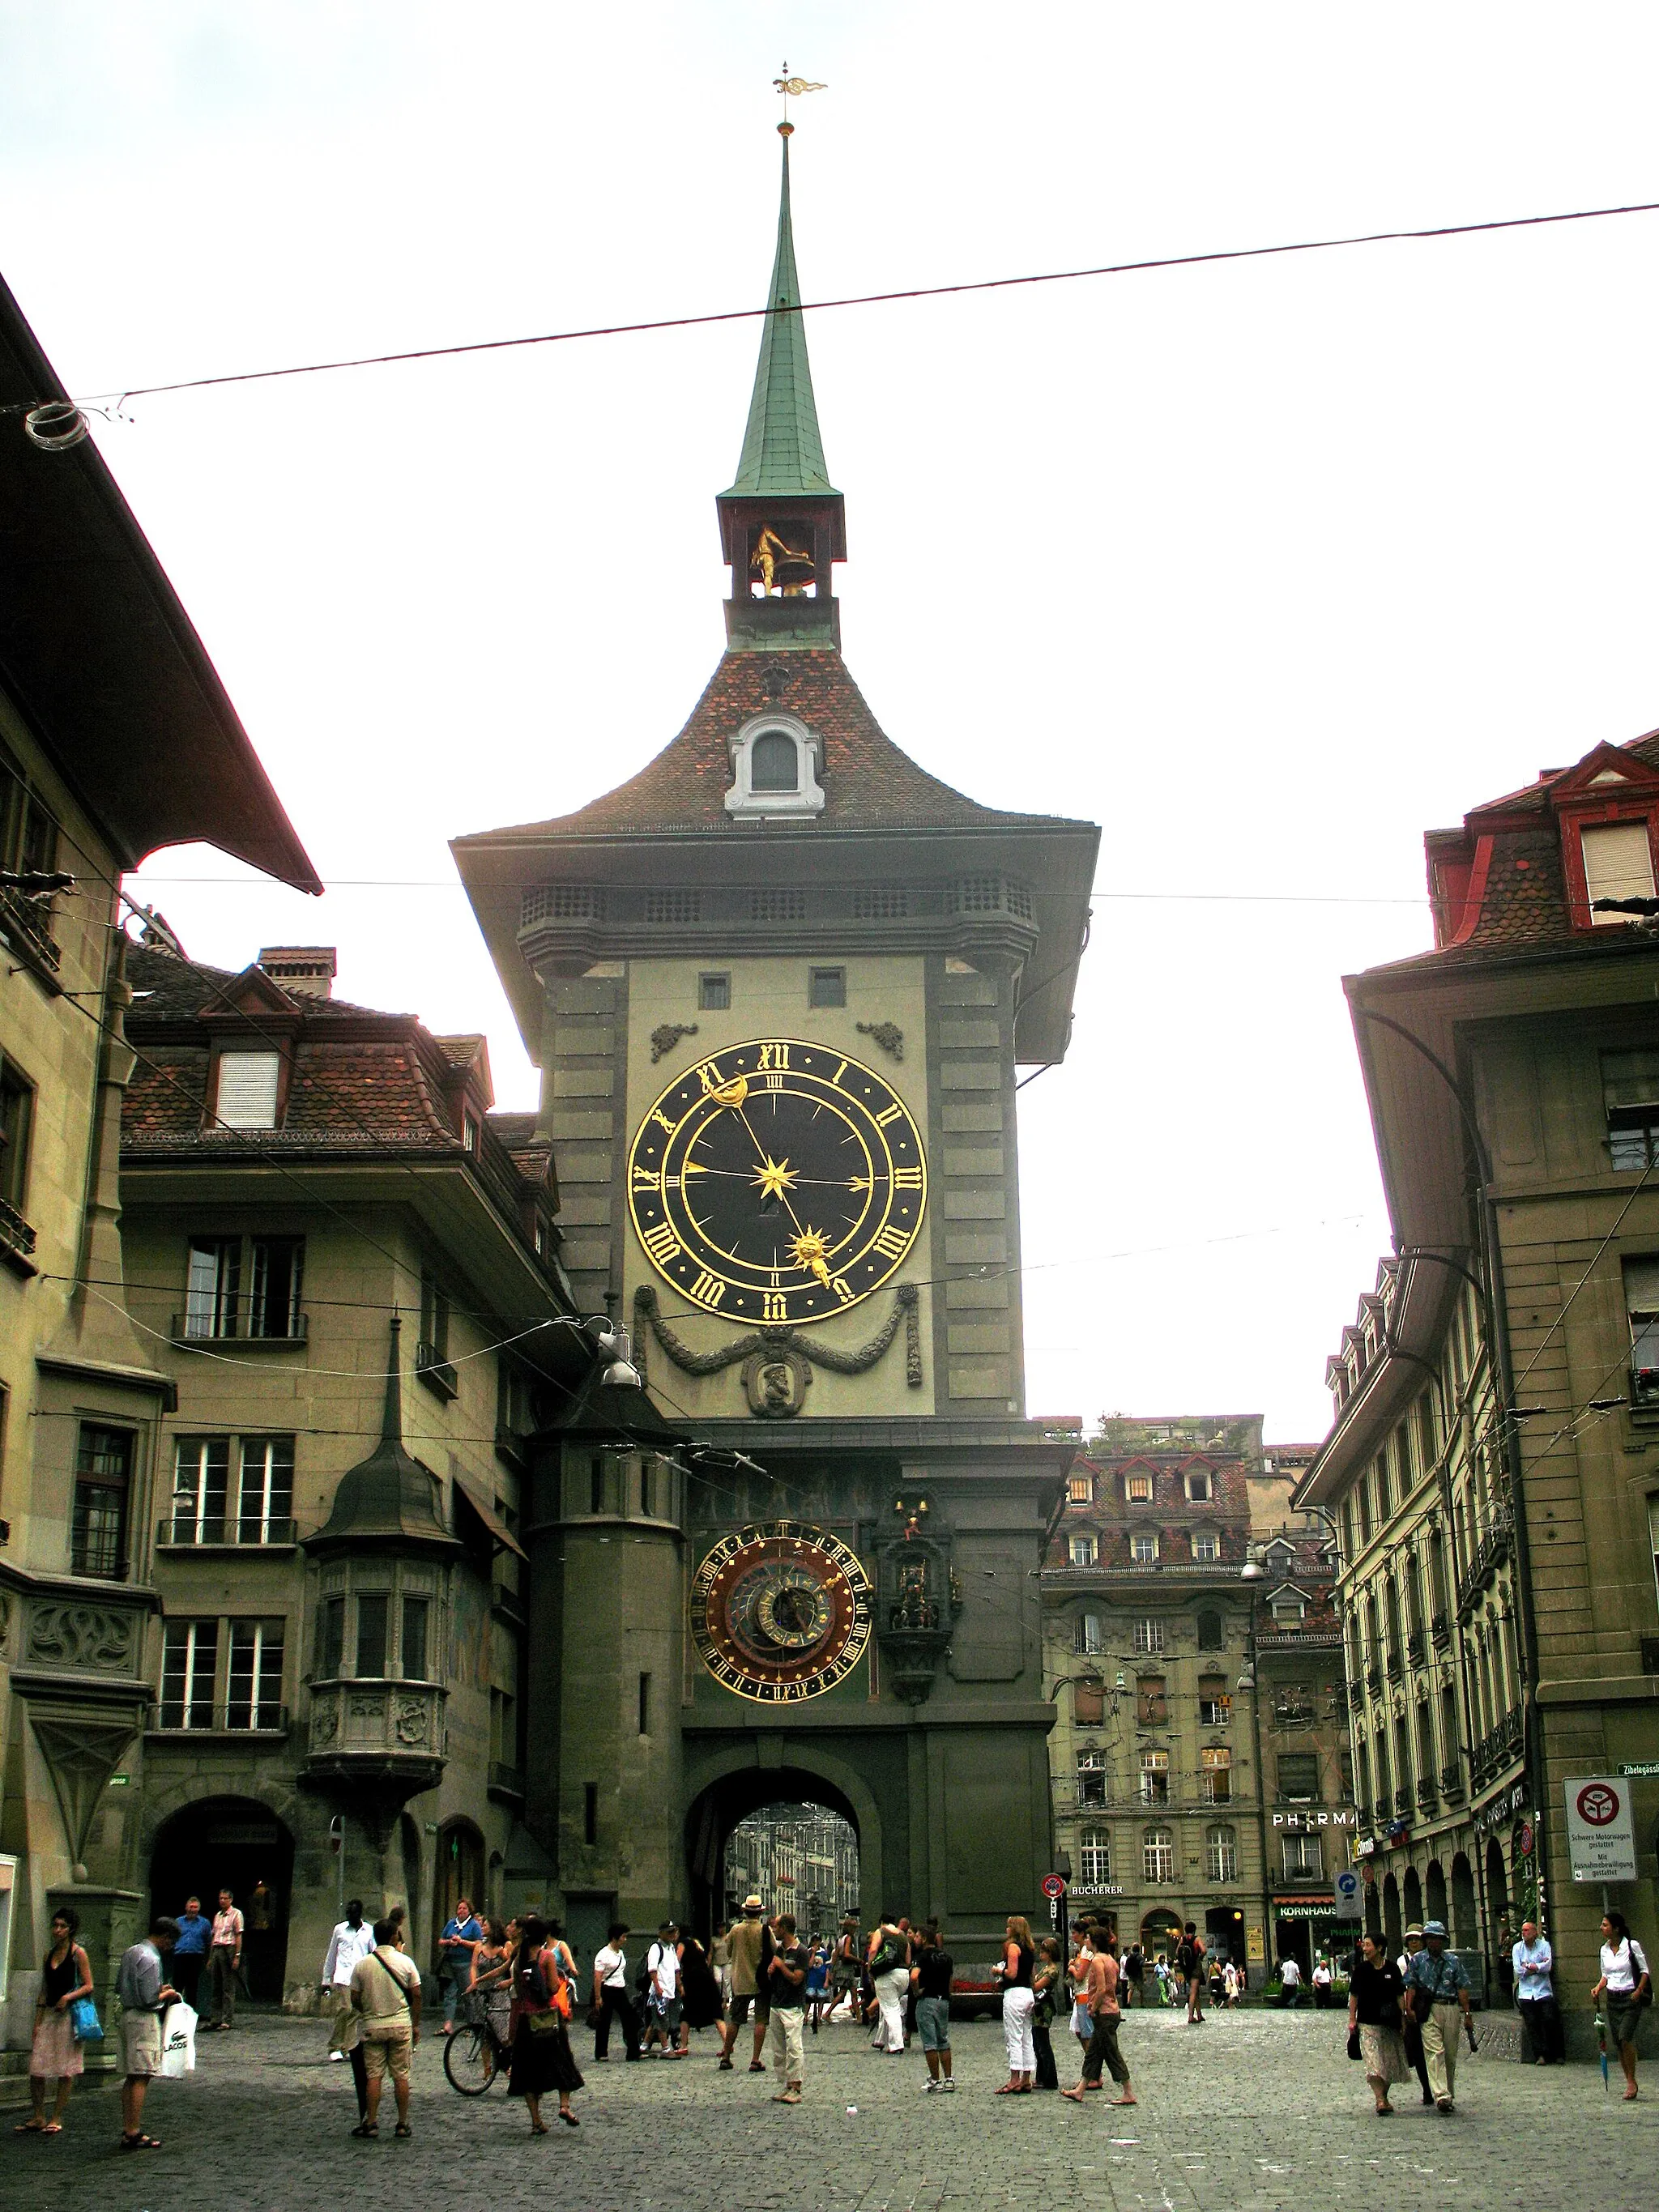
pixel 1290 1984
pixel 353 1939
pixel 610 1994
pixel 663 1963
pixel 1534 1995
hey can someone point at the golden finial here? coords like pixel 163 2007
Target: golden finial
pixel 792 88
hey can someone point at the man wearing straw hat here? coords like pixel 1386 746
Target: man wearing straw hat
pixel 750 1946
pixel 1437 1987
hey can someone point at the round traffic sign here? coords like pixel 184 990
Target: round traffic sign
pixel 1053 1885
pixel 1346 1884
pixel 1598 1804
pixel 1523 1840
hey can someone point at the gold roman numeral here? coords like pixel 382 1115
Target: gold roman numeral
pixel 657 1115
pixel 662 1243
pixel 842 1289
pixel 707 1290
pixel 907 1178
pixel 889 1113
pixel 774 1306
pixel 773 1082
pixel 892 1244
pixel 648 1179
pixel 710 1074
pixel 771 1056
pixel 839 1072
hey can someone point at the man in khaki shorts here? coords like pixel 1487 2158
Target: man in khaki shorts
pixel 749 1944
pixel 386 1988
pixel 144 1991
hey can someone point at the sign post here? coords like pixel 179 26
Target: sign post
pixel 1600 1834
pixel 1347 1895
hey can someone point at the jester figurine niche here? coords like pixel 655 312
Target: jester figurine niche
pixel 782 569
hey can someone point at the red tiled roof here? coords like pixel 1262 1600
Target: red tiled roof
pixel 867 781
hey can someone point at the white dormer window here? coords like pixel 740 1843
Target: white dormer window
pixel 775 764
pixel 248 1084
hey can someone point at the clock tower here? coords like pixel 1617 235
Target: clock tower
pixel 778 984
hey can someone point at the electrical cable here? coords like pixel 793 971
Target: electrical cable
pixel 117 399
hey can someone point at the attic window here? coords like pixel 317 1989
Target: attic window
pixel 469 1131
pixel 1617 864
pixel 1197 1486
pixel 246 1096
pixel 1138 1489
pixel 775 764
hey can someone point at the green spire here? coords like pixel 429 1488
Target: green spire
pixel 782 451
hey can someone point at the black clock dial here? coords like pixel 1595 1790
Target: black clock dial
pixel 778 1181
pixel 781 1611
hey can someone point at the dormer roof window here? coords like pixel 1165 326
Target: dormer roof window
pixel 777 763
pixel 1618 865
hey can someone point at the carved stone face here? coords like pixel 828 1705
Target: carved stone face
pixel 776 1384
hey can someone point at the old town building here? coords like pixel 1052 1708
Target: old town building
pixel 1198 1762
pixel 116 738
pixel 1492 1453
pixel 348 1263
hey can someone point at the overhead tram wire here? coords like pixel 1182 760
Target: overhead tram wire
pixel 117 398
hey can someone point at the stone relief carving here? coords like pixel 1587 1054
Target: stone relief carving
pixel 83 1636
pixel 777 1363
pixel 324 1721
pixel 81 1754
pixel 666 1035
pixel 887 1035
pixel 412 1720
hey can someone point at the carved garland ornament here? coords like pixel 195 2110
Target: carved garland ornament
pixel 767 1352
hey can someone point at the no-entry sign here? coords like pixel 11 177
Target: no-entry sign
pixel 1054 1886
pixel 1601 1836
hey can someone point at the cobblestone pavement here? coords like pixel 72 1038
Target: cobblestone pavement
pixel 1253 2113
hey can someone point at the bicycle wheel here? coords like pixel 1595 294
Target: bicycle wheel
pixel 471 2060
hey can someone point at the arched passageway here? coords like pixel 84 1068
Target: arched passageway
pixel 239 1844
pixel 725 1804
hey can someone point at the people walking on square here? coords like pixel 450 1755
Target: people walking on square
pixel 1322 1978
pixel 932 1973
pixel 1532 1963
pixel 611 1998
pixel 787 1989
pixel 1047 1989
pixel 817 1981
pixel 455 1946
pixel 1103 2053
pixel 543 1973
pixel 1625 1984
pixel 890 1971
pixel 846 1968
pixel 351 1943
pixel 1289 1982
pixel 719 1958
pixel 490 1991
pixel 224 1962
pixel 386 1990
pixel 700 1991
pixel 1376 1996
pixel 145 1992
pixel 1439 1987
pixel 1189 1969
pixel 1083 1942
pixel 1414 2033
pixel 1133 1976
pixel 190 1952
pixel 54 2054
pixel 1013 1971
pixel 749 1945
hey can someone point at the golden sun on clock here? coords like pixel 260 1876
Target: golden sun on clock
pixel 777 1183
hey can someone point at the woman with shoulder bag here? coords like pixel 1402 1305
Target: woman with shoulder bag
pixel 1627 1986
pixel 55 2052
pixel 1046 1980
pixel 543 1973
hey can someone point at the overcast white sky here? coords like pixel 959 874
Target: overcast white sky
pixel 1266 567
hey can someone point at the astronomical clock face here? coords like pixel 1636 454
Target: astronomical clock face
pixel 781 1611
pixel 777 1183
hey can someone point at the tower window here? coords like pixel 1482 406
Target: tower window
pixel 713 993
pixel 826 987
pixel 775 762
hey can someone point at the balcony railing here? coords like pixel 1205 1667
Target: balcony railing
pixel 1489 1554
pixel 16 1238
pixel 1417 1650
pixel 1440 1632
pixel 202 1534
pixel 375 1730
pixel 1356 1696
pixel 1397 1662
pixel 1215 1789
pixel 434 1370
pixel 506 1780
pixel 1403 1802
pixel 1496 1750
pixel 24 921
pixel 263 1718
pixel 231 1321
pixel 1451 1784
pixel 1427 1797
pixel 1374 1680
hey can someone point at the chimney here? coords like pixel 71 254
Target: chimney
pixel 306 970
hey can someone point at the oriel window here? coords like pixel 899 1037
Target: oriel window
pixel 417 1613
pixel 371 1616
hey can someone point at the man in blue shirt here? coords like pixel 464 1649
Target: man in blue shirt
pixel 1534 1995
pixel 455 1946
pixel 1436 1978
pixel 190 1952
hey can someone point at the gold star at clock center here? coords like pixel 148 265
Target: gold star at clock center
pixel 773 1178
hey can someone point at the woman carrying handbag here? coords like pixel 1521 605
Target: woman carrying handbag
pixel 543 1972
pixel 55 2052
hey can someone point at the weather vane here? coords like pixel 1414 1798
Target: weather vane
pixel 792 88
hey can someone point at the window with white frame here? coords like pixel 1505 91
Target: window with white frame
pixel 1154 1778
pixel 254 1677
pixel 1304 1858
pixel 247 1094
pixel 1221 1854
pixel 1138 1489
pixel 1083 1551
pixel 1207 1546
pixel 1090 1633
pixel 1157 1854
pixel 1642 1303
pixel 1149 1636
pixel 266 1492
pixel 1092 1777
pixel 190 1660
pixel 201 1469
pixel 1080 1489
pixel 1198 1487
pixel 1215 1779
pixel 1094 1857
pixel 775 764
pixel 1143 1547
pixel 1617 864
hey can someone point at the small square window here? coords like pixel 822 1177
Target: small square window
pixel 1207 1546
pixel 713 993
pixel 1138 1489
pixel 1080 1490
pixel 1197 1486
pixel 1143 1549
pixel 1083 1551
pixel 826 987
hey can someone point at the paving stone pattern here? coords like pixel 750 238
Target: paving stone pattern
pixel 1253 2113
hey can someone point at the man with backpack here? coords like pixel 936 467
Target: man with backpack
pixel 1189 1965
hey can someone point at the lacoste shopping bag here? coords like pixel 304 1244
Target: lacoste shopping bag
pixel 178 2043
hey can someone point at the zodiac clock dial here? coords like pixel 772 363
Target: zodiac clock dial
pixel 781 1611
pixel 778 1181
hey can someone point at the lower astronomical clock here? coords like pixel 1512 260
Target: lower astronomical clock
pixel 781 1611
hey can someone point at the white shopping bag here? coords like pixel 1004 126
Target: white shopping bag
pixel 178 2043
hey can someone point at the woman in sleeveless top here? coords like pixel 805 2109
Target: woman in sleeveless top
pixel 54 2055
pixel 1014 1970
pixel 542 2058
pixel 490 1988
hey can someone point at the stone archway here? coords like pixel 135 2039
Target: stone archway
pixel 237 1843
pixel 1434 1894
pixel 738 1788
pixel 1392 1923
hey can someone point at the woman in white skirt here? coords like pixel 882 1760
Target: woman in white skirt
pixel 1014 1971
pixel 1375 1994
pixel 54 2055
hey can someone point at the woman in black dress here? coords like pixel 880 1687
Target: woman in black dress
pixel 700 1990
pixel 543 1974
pixel 1375 1990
